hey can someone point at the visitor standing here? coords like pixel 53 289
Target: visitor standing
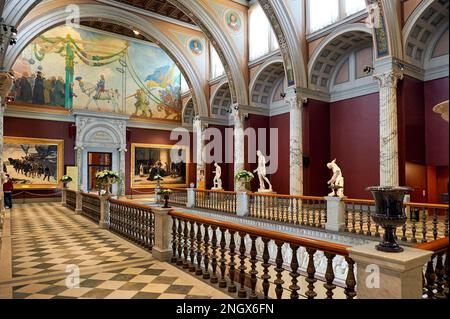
pixel 8 188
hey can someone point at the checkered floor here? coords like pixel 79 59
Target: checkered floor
pixel 50 245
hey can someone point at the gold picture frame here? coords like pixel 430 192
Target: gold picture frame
pixel 151 184
pixel 15 145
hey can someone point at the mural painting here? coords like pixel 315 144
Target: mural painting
pixel 233 21
pixel 84 68
pixel 33 163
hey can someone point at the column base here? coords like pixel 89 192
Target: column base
pixel 161 254
pixel 103 225
pixel 78 211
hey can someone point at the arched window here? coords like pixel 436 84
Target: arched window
pixel 262 39
pixel 217 68
pixel 322 13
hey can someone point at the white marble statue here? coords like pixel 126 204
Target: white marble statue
pixel 261 171
pixel 337 180
pixel 217 178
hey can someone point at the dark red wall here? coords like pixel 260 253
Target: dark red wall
pixel 436 135
pixel 150 136
pixel 355 142
pixel 280 180
pixel 316 146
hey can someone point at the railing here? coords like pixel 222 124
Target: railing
pixel 245 259
pixel 299 210
pixel 132 221
pixel 425 222
pixel 71 199
pixel 435 278
pixel 221 201
pixel 178 197
pixel 90 206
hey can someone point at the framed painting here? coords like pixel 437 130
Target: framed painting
pixel 33 163
pixel 168 161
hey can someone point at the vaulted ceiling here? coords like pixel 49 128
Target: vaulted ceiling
pixel 114 28
pixel 162 7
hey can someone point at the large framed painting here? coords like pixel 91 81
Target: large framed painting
pixel 33 163
pixel 168 161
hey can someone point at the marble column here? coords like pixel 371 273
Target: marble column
pixel 2 206
pixel 199 127
pixel 121 186
pixel 79 150
pixel 389 166
pixel 239 146
pixel 296 101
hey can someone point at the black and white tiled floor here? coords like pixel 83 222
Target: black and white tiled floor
pixel 50 244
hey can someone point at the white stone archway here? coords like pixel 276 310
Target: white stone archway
pixel 100 133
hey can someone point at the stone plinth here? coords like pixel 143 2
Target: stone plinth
pixel 382 275
pixel 335 214
pixel 161 250
pixel 242 204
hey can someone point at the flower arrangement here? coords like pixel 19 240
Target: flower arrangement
pixel 104 179
pixel 245 175
pixel 66 179
pixel 165 192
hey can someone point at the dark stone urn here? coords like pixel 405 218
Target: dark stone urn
pixel 389 214
pixel 166 201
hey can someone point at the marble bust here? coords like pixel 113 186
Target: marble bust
pixel 337 180
pixel 261 171
pixel 217 178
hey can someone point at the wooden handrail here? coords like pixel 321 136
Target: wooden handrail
pixel 277 236
pixel 359 201
pixel 288 196
pixel 90 195
pixel 436 246
pixel 214 191
pixel 426 205
pixel 129 203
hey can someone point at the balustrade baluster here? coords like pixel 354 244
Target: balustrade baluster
pixel 446 223
pixel 265 277
pixel 424 225
pixel 223 266
pixel 291 210
pixel 346 218
pixel 231 265
pixel 174 241
pixel 242 292
pixel 313 206
pixel 192 246
pixel 435 223
pixel 350 281
pixel 180 243
pixel 214 247
pixel 369 222
pixel 297 215
pixel 311 271
pixel 439 271
pixel 279 270
pixel 199 271
pixel 404 238
pixel 413 231
pixel 294 274
pixel 353 219
pixel 206 274
pixel 361 220
pixel 319 213
pixel 253 271
pixel 329 275
pixel 185 245
pixel 430 277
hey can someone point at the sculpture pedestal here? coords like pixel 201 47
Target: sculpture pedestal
pixel 217 189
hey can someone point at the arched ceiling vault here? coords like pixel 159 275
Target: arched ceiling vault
pixel 265 82
pixel 57 16
pixel 427 19
pixel 221 101
pixel 332 49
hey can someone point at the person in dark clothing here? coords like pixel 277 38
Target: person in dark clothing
pixel 8 188
pixel 25 91
pixel 38 90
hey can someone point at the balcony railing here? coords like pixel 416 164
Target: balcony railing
pixel 71 199
pixel 425 222
pixel 90 206
pixel 220 201
pixel 256 263
pixel 132 221
pixel 178 197
pixel 299 210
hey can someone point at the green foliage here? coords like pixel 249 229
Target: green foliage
pixel 246 175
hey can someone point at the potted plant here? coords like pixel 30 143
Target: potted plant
pixel 389 214
pixel 104 180
pixel 243 177
pixel 165 193
pixel 66 179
